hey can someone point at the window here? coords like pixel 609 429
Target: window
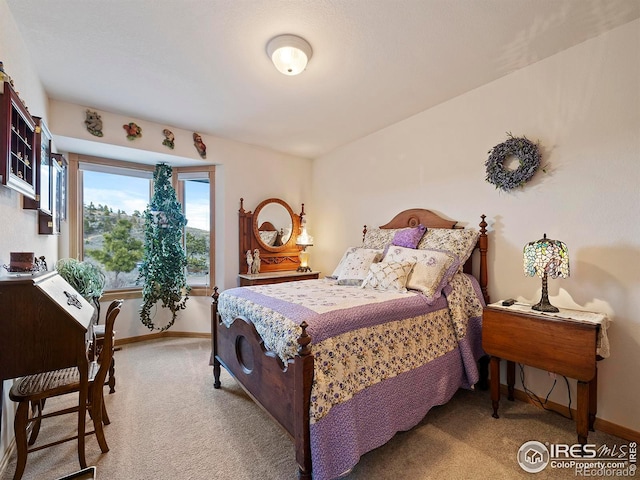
pixel 195 193
pixel 107 219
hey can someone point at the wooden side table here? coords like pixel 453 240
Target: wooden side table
pixel 275 277
pixel 565 343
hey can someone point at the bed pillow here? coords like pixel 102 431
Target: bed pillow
pixel 338 269
pixel 459 241
pixel 356 266
pixel 431 272
pixel 379 238
pixel 268 237
pixel 388 276
pixel 409 237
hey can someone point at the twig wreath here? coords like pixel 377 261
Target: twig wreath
pixel 527 154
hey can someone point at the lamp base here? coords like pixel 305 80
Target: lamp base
pixel 304 269
pixel 545 307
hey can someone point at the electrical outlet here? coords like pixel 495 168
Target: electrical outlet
pixel 552 375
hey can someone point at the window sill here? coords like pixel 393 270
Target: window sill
pixel 130 293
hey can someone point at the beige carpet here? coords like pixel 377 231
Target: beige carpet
pixel 169 423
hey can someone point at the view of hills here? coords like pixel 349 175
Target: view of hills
pixel 126 232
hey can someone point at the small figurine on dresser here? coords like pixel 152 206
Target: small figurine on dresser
pixel 256 261
pixel 249 262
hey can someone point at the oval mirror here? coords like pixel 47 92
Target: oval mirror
pixel 273 224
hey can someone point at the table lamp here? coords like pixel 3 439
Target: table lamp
pixel 304 240
pixel 544 258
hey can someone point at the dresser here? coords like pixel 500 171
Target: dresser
pixel 275 277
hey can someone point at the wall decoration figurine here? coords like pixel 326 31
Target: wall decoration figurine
pixel 256 261
pixel 93 121
pixel 249 262
pixel 169 138
pixel 133 131
pixel 199 144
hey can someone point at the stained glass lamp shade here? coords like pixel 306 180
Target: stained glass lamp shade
pixel 546 258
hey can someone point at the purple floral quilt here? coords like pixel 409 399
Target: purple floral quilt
pixel 382 359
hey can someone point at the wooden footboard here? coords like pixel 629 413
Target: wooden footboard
pixel 283 390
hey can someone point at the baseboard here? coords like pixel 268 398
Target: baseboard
pixel 599 424
pixel 154 336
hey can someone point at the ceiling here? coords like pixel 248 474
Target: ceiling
pixel 201 65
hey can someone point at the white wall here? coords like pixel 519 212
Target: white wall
pixel 583 106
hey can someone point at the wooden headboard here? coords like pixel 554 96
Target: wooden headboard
pixel 416 216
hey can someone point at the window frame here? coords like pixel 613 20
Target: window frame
pixel 178 185
pixel 75 213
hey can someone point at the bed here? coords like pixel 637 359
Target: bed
pixel 343 365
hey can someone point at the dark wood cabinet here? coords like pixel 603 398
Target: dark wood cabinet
pixel 50 185
pixel 43 169
pixel 49 221
pixel 17 144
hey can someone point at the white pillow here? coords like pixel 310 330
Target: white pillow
pixel 338 269
pixel 356 266
pixel 432 271
pixel 388 276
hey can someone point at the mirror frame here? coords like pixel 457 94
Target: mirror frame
pixel 256 227
pixel 272 259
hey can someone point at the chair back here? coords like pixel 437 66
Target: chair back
pixel 106 353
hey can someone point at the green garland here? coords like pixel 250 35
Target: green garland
pixel 524 150
pixel 164 260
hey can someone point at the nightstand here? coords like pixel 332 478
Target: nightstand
pixel 247 279
pixel 567 343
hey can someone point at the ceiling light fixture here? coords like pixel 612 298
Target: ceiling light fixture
pixel 289 53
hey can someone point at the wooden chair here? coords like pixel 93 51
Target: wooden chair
pixel 33 391
pixel 97 345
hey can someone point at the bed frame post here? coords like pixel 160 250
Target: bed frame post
pixel 214 339
pixel 302 403
pixel 482 242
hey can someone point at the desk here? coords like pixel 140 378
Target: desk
pixel 44 325
pixel 275 277
pixel 560 344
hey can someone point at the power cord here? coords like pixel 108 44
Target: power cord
pixel 537 399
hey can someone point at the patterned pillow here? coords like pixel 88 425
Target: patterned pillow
pixel 356 266
pixel 268 237
pixel 349 251
pixel 379 237
pixel 338 269
pixel 432 271
pixel 459 241
pixel 388 276
pixel 409 237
